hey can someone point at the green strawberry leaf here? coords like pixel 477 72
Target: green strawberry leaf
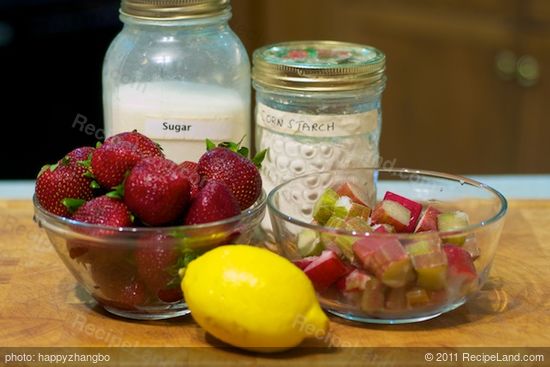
pixel 65 160
pixel 113 195
pixel 259 158
pixel 178 269
pixel 43 169
pixel 72 205
pixel 87 164
pixel 243 151
pixel 237 148
pixel 94 185
pixel 117 193
pixel 53 167
pixel 98 144
pixel 188 256
pixel 118 190
pixel 210 145
pixel 177 234
pixel 234 147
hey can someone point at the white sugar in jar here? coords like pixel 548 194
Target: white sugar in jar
pixel 178 74
pixel 179 115
pixel 318 107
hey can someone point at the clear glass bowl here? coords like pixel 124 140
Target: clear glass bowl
pixel 290 207
pixel 104 261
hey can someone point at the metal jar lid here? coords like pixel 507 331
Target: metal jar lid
pixel 173 9
pixel 318 66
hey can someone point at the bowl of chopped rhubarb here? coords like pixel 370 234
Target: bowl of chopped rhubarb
pixel 389 245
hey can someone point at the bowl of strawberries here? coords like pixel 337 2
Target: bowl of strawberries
pixel 388 245
pixel 126 221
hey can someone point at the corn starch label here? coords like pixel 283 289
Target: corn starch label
pixel 300 124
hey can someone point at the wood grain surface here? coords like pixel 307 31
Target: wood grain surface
pixel 42 305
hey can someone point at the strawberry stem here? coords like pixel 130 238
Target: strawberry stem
pixel 87 164
pixel 236 147
pixel 114 195
pixel 72 204
pixel 118 190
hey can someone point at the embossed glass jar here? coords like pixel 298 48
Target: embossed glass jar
pixel 318 107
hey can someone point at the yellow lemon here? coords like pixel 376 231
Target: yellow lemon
pixel 252 298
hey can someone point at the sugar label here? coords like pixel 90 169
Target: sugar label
pixel 192 129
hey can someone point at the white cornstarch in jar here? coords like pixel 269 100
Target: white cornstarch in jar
pixel 318 108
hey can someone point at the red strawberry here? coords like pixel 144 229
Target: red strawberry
pixel 77 248
pixel 80 158
pixel 131 295
pixel 119 154
pixel 191 170
pixel 62 181
pixel 234 169
pixel 124 297
pixel 156 258
pixel 101 210
pixel 115 279
pixel 170 295
pixel 78 155
pixel 214 202
pixel 110 162
pixel 104 210
pixel 133 140
pixel 189 166
pixel 156 191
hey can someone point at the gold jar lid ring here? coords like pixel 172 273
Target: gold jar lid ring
pixel 173 9
pixel 318 66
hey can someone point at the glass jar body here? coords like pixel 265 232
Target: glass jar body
pixel 178 82
pixel 316 131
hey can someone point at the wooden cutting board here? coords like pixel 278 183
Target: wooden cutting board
pixel 42 306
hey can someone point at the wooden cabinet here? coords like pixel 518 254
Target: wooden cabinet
pixel 455 100
pixel 534 42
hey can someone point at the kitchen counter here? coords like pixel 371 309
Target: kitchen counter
pixel 512 186
pixel 42 306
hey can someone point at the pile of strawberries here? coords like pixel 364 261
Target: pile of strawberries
pixel 127 182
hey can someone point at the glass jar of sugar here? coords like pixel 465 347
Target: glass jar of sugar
pixel 178 74
pixel 318 107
